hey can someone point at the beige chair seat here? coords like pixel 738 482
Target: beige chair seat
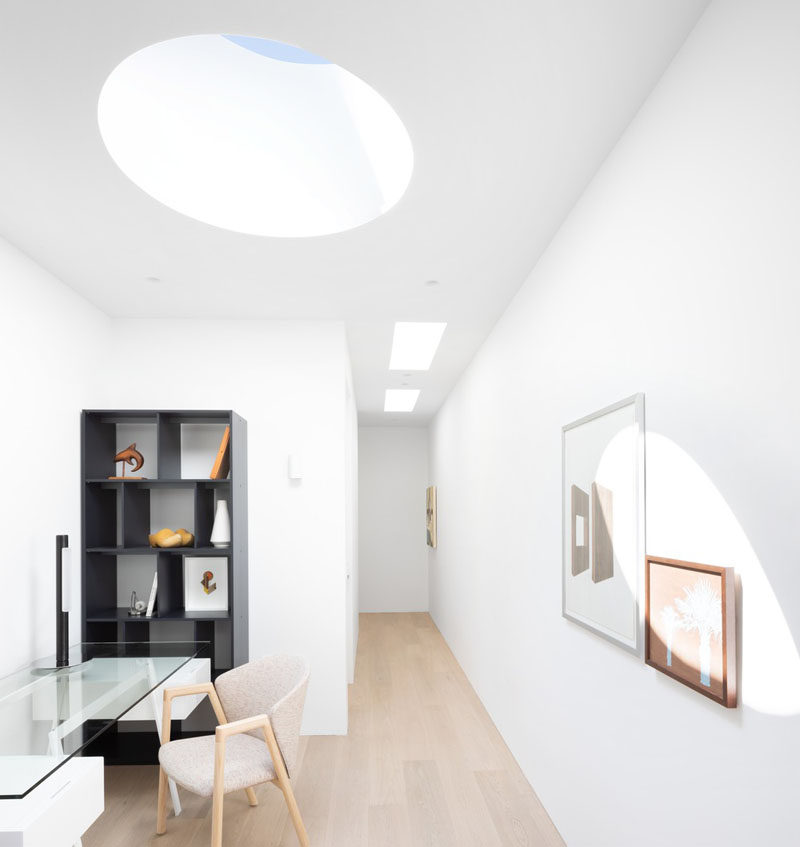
pixel 190 762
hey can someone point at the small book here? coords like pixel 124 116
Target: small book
pixel 222 464
pixel 151 605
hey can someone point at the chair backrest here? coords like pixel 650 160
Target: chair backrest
pixel 275 686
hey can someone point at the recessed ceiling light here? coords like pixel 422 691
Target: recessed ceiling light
pixel 414 345
pixel 432 282
pixel 400 399
pixel 152 279
pixel 254 136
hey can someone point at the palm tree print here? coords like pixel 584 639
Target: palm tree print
pixel 701 610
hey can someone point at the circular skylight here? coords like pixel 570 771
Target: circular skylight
pixel 254 136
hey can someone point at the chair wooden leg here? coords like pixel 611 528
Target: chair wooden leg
pixel 251 796
pixel 219 793
pixel 161 818
pixel 302 836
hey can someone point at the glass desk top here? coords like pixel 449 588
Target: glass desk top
pixel 47 715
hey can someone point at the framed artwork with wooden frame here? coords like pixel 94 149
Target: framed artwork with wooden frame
pixel 430 516
pixel 690 625
pixel 222 462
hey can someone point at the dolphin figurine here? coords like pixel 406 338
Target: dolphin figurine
pixel 131 456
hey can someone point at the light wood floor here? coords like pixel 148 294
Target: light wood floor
pixel 422 765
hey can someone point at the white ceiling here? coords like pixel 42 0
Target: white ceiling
pixel 511 107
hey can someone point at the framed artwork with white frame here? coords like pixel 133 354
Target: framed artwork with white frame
pixel 205 583
pixel 603 522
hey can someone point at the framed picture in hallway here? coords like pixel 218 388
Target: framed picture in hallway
pixel 603 533
pixel 690 625
pixel 430 516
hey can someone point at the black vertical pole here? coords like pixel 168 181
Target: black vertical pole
pixel 62 617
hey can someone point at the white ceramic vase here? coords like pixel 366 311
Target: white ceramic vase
pixel 221 533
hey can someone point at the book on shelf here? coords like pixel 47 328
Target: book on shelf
pixel 151 603
pixel 222 464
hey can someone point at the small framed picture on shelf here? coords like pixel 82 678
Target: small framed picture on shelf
pixel 205 583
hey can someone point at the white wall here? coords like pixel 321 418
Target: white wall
pixel 53 346
pixel 677 275
pixel 287 380
pixel 392 478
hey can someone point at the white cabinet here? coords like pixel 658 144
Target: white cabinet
pixel 58 811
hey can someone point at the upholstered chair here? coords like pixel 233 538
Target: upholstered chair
pixel 259 707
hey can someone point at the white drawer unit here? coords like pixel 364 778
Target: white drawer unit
pixel 58 811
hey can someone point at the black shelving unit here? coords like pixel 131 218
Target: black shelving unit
pixel 117 517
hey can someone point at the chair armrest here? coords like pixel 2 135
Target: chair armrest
pixel 261 722
pixel 238 727
pixel 184 691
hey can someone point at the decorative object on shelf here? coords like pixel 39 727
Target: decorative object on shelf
pixel 205 583
pixel 129 456
pixel 151 603
pixel 221 533
pixel 208 585
pixel 222 464
pixel 137 606
pixel 690 625
pixel 171 538
pixel 603 521
pixel 430 516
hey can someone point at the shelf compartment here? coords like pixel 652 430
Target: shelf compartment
pixel 204 505
pixel 170 586
pixel 172 507
pixel 99 443
pixel 135 629
pixel 199 446
pixel 100 529
pixel 135 515
pixel 100 583
pixel 169 447
pixel 100 631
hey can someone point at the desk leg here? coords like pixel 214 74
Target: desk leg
pixel 56 748
pixel 173 789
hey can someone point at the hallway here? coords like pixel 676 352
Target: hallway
pixel 422 765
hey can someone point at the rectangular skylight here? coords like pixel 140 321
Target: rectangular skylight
pixel 400 399
pixel 414 345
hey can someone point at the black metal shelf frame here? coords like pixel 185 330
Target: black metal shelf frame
pixel 116 522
